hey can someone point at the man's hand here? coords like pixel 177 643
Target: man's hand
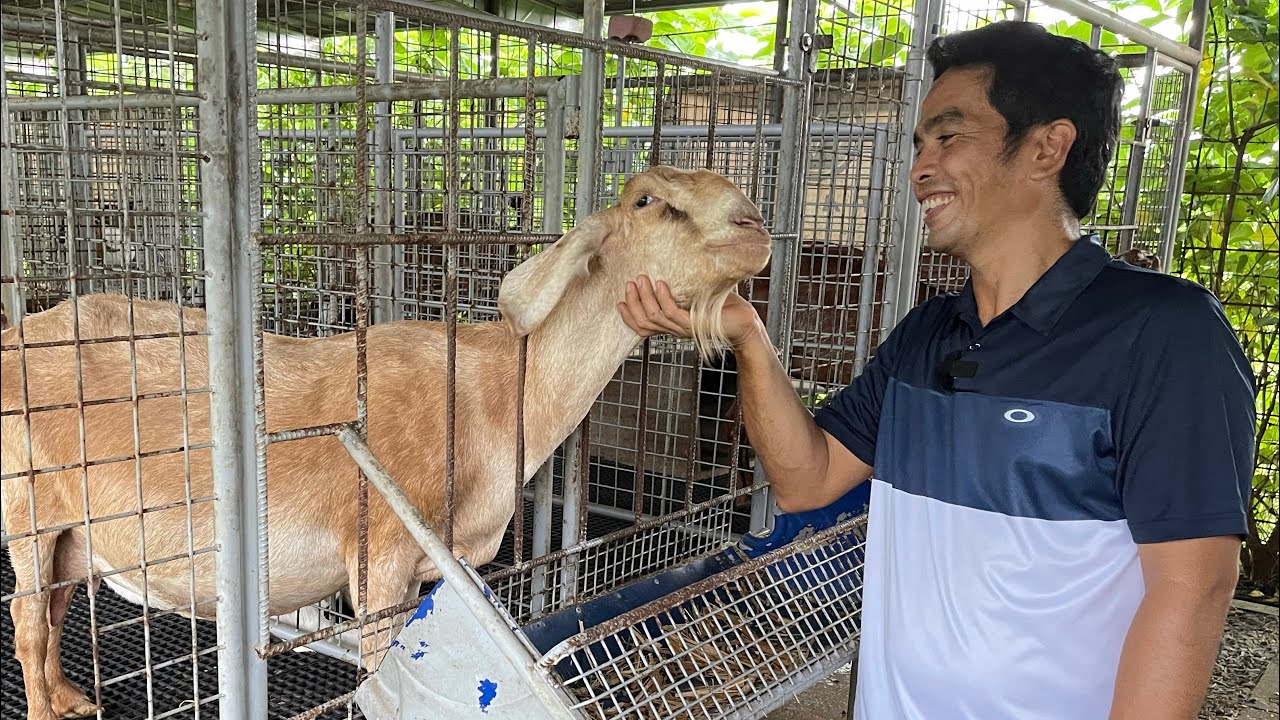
pixel 652 311
pixel 807 468
pixel 1173 641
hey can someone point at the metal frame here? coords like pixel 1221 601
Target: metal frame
pixel 544 576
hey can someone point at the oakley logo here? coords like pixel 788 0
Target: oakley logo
pixel 1018 415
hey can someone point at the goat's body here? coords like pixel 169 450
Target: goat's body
pixel 312 484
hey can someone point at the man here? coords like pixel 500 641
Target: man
pixel 1062 451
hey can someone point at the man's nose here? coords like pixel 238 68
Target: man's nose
pixel 923 167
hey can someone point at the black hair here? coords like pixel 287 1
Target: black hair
pixel 1037 77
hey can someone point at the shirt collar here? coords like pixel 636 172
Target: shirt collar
pixel 1051 295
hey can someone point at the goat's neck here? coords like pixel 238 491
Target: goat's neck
pixel 572 356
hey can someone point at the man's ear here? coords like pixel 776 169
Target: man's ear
pixel 530 291
pixel 1052 143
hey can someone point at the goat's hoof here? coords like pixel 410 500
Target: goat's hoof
pixel 74 705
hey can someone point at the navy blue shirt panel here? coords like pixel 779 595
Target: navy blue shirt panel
pixel 1163 399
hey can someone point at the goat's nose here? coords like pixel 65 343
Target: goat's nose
pixel 750 220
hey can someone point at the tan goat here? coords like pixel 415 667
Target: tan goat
pixel 695 230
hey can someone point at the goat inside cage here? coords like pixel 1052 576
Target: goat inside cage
pixel 244 244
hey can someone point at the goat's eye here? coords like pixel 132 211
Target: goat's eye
pixel 644 200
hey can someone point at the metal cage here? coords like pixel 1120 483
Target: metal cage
pixel 306 170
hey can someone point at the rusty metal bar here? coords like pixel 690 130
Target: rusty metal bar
pixel 99 401
pixel 448 238
pixel 390 92
pixel 660 88
pixel 51 529
pixel 361 227
pixel 452 198
pixel 714 101
pixel 102 461
pixel 642 431
pixel 305 433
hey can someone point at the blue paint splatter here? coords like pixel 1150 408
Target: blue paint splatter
pixel 396 644
pixel 488 691
pixel 418 655
pixel 427 606
pixel 422 643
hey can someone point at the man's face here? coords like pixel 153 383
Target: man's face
pixel 959 177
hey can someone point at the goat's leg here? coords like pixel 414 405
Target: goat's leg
pixel 31 619
pixel 69 563
pixel 385 587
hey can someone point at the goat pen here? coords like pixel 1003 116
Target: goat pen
pixel 314 168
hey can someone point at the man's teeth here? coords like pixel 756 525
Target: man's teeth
pixel 936 201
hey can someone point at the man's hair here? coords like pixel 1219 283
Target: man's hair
pixel 1035 78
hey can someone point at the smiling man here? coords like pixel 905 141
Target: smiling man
pixel 1060 454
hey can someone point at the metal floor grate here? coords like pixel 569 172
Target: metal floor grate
pixel 297 681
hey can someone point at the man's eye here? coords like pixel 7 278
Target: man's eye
pixel 944 138
pixel 644 200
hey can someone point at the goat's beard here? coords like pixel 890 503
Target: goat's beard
pixel 708 325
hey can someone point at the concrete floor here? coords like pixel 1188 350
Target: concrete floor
pixel 828 700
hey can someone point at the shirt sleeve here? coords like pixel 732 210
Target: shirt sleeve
pixel 852 415
pixel 1185 438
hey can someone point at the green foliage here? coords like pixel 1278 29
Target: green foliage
pixel 1228 239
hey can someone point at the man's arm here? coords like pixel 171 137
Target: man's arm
pixel 1168 655
pixel 1185 451
pixel 807 468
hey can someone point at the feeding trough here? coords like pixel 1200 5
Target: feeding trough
pixel 730 635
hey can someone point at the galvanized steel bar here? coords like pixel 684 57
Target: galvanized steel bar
pixel 591 106
pixel 12 292
pixel 792 166
pixel 1186 118
pixel 151 100
pixel 382 92
pixel 904 255
pixel 383 256
pixel 543 481
pixel 1089 12
pixel 870 252
pixel 1137 153
pixel 726 131
pixel 475 20
pixel 227 78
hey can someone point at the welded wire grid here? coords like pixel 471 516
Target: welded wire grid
pixel 458 212
pixel 737 641
pixel 399 211
pixel 691 447
pixel 130 172
pixel 99 180
pixel 854 150
pixel 938 272
pixel 1134 200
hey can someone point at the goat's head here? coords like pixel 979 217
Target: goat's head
pixel 693 229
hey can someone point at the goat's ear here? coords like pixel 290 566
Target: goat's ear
pixel 530 291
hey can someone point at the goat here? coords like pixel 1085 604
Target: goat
pixel 1138 257
pixel 693 229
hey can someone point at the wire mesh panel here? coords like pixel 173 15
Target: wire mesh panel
pixel 408 159
pixel 732 645
pixel 104 428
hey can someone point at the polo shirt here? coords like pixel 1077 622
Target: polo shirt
pixel 1017 467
